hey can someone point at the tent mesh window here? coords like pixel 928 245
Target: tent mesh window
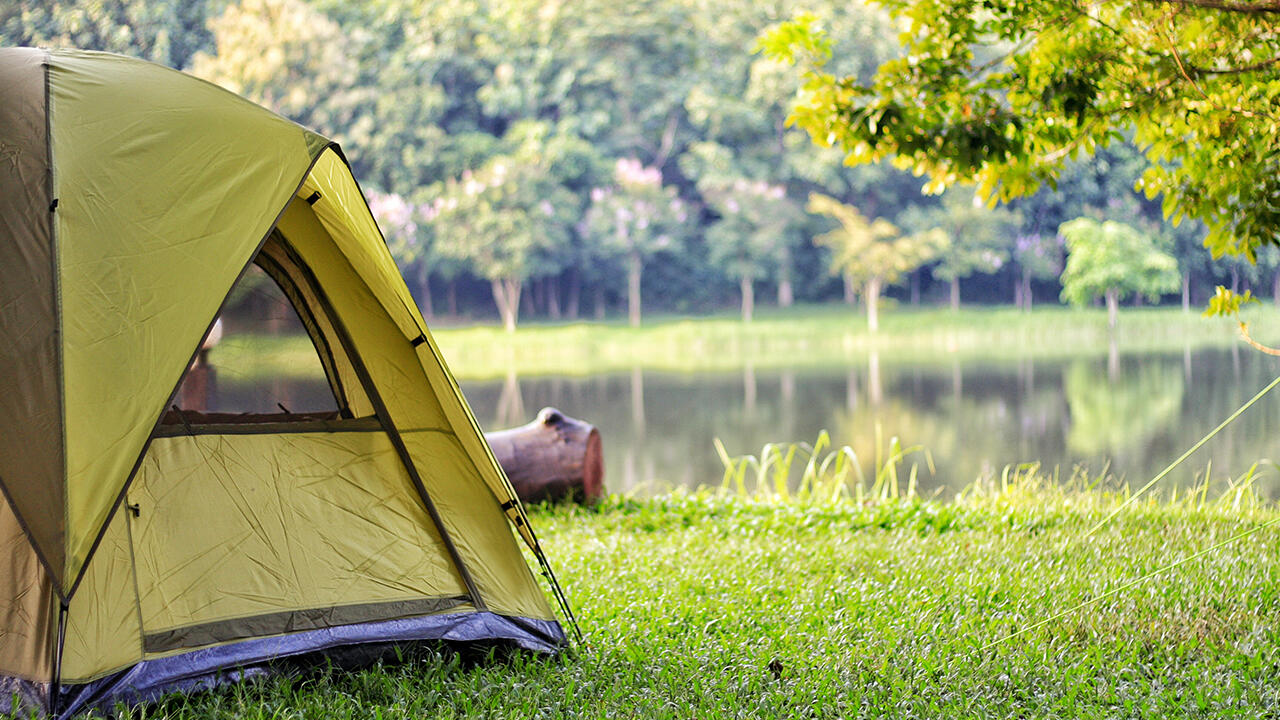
pixel 271 356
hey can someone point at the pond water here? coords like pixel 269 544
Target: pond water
pixel 1132 414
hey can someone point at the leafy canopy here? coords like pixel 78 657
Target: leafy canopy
pixel 865 249
pixel 980 238
pixel 758 222
pixel 1112 256
pixel 1003 93
pixel 636 214
pixel 508 216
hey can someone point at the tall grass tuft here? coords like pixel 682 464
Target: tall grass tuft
pixel 822 474
pixel 829 474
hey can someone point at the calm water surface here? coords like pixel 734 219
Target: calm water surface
pixel 1134 416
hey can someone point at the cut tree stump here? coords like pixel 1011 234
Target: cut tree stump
pixel 554 458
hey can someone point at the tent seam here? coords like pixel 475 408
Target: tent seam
pixel 55 260
pixel 64 598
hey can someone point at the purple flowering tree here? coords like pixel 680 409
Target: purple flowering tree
pixel 633 219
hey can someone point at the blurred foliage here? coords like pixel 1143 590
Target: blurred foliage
pixel 979 239
pixel 1004 93
pixel 425 94
pixel 1114 260
pixel 871 254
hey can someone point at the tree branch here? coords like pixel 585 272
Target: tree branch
pixel 1238 70
pixel 1244 333
pixel 1257 7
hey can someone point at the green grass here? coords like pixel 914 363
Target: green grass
pixel 809 336
pixel 725 605
pixel 825 335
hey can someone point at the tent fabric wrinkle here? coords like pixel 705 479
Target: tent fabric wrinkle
pixel 147 548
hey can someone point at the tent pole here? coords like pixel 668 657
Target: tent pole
pixel 55 686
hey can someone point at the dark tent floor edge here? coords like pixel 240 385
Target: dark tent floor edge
pixel 215 666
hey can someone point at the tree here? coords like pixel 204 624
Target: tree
pixel 291 58
pixel 410 242
pixel 871 253
pixel 1004 92
pixel 503 219
pixel 979 238
pixel 168 32
pixel 1038 257
pixel 636 217
pixel 757 226
pixel 738 109
pixel 1113 260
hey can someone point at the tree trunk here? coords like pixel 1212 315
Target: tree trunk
pixel 786 294
pixel 537 297
pixel 873 302
pixel 633 288
pixel 875 388
pixel 915 287
pixel 1186 290
pixel 1113 307
pixel 848 288
pixel 553 297
pixel 424 286
pixel 575 294
pixel 1017 292
pixel 506 293
pixel 955 293
pixel 555 457
pixel 748 297
pixel 599 297
pixel 1027 296
pixel 527 301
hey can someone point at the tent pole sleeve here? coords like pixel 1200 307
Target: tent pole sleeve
pixel 55 684
pixel 380 410
pixel 521 518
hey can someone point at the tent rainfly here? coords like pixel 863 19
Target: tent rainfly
pixel 145 549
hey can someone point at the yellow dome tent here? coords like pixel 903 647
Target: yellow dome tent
pixel 144 548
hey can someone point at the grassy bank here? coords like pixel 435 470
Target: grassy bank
pixel 705 606
pixel 829 335
pixel 812 336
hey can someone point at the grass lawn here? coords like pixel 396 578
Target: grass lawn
pixel 705 606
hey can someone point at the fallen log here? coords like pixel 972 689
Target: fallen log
pixel 554 458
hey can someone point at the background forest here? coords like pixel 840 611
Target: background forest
pixel 580 159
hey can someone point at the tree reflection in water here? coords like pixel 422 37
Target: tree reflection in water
pixel 658 427
pixel 1120 415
